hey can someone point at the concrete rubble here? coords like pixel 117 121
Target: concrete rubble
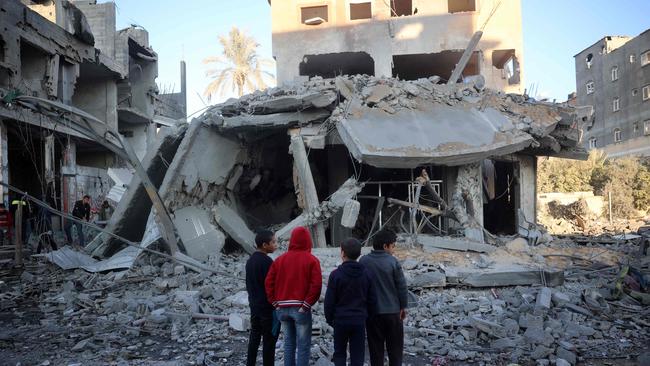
pixel 157 311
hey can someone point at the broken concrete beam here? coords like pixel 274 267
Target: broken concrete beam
pixel 464 59
pixel 307 185
pixel 292 103
pixel 328 208
pixel 460 244
pixel 429 280
pixel 512 278
pixel 491 328
pixel 350 213
pixel 427 209
pixel 200 238
pixel 235 226
pixel 285 119
pixel 543 301
pixel 130 217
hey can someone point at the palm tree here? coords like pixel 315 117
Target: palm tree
pixel 243 67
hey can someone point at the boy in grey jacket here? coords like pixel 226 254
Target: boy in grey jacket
pixel 386 326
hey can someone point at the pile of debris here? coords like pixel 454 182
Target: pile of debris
pixel 160 312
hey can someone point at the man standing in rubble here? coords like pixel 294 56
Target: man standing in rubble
pixel 293 286
pixel 262 322
pixel 81 211
pixel 385 328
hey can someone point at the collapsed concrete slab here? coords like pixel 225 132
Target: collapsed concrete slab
pixel 130 216
pixel 460 244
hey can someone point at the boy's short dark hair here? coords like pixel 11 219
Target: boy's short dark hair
pixel 263 236
pixel 383 237
pixel 86 196
pixel 351 247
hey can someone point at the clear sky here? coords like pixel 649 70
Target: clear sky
pixel 554 31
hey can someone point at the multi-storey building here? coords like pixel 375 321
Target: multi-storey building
pixel 613 76
pixel 409 39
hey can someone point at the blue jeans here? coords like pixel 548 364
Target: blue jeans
pixel 296 327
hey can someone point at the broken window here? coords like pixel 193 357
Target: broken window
pixel 617 135
pixel 588 60
pixel 646 127
pixel 590 87
pixel 616 105
pixel 400 8
pixel 632 58
pixel 635 91
pixel 614 73
pixel 313 15
pixel 360 10
pixel 506 61
pixel 592 143
pixel 457 6
pixel 646 92
pixel 635 127
pixel 33 67
pixel 424 65
pixel 335 64
pixel 645 58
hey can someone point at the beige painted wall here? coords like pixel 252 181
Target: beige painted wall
pixel 431 30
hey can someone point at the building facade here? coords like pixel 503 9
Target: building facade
pixel 408 39
pixel 613 76
pixel 65 55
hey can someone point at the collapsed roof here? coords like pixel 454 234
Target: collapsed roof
pixel 390 123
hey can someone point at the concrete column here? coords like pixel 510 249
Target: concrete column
pixel 527 186
pixel 337 174
pixel 4 163
pixel 307 186
pixel 69 171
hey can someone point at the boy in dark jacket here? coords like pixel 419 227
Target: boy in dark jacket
pixel 386 327
pixel 257 267
pixel 293 286
pixel 348 302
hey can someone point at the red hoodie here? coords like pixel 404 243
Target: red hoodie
pixel 294 279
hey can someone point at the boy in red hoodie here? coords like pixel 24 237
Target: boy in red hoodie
pixel 293 286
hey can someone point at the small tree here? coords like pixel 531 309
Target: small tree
pixel 243 69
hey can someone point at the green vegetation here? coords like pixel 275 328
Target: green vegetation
pixel 628 179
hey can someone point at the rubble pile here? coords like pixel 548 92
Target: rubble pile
pixel 160 311
pixel 552 126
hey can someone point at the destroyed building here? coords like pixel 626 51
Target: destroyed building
pixel 56 56
pixel 398 38
pixel 345 156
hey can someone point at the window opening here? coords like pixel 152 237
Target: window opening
pixel 360 10
pixel 313 15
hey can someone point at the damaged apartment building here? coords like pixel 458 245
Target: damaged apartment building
pixel 368 129
pixel 408 39
pixel 58 57
pixel 346 156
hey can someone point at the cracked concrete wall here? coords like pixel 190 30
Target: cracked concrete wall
pixel 130 217
pixel 431 30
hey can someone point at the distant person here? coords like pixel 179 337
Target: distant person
pixel 262 324
pixel 81 211
pixel 349 299
pixel 105 212
pixel 386 326
pixel 293 286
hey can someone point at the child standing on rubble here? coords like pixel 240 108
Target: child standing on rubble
pixel 293 286
pixel 349 300
pixel 386 326
pixel 257 267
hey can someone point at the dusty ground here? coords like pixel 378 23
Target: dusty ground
pixel 140 317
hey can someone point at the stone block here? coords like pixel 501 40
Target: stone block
pixel 238 322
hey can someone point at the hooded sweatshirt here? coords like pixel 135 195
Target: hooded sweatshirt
pixel 294 279
pixel 350 296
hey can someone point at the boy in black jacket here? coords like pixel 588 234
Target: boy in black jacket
pixel 257 268
pixel 348 303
